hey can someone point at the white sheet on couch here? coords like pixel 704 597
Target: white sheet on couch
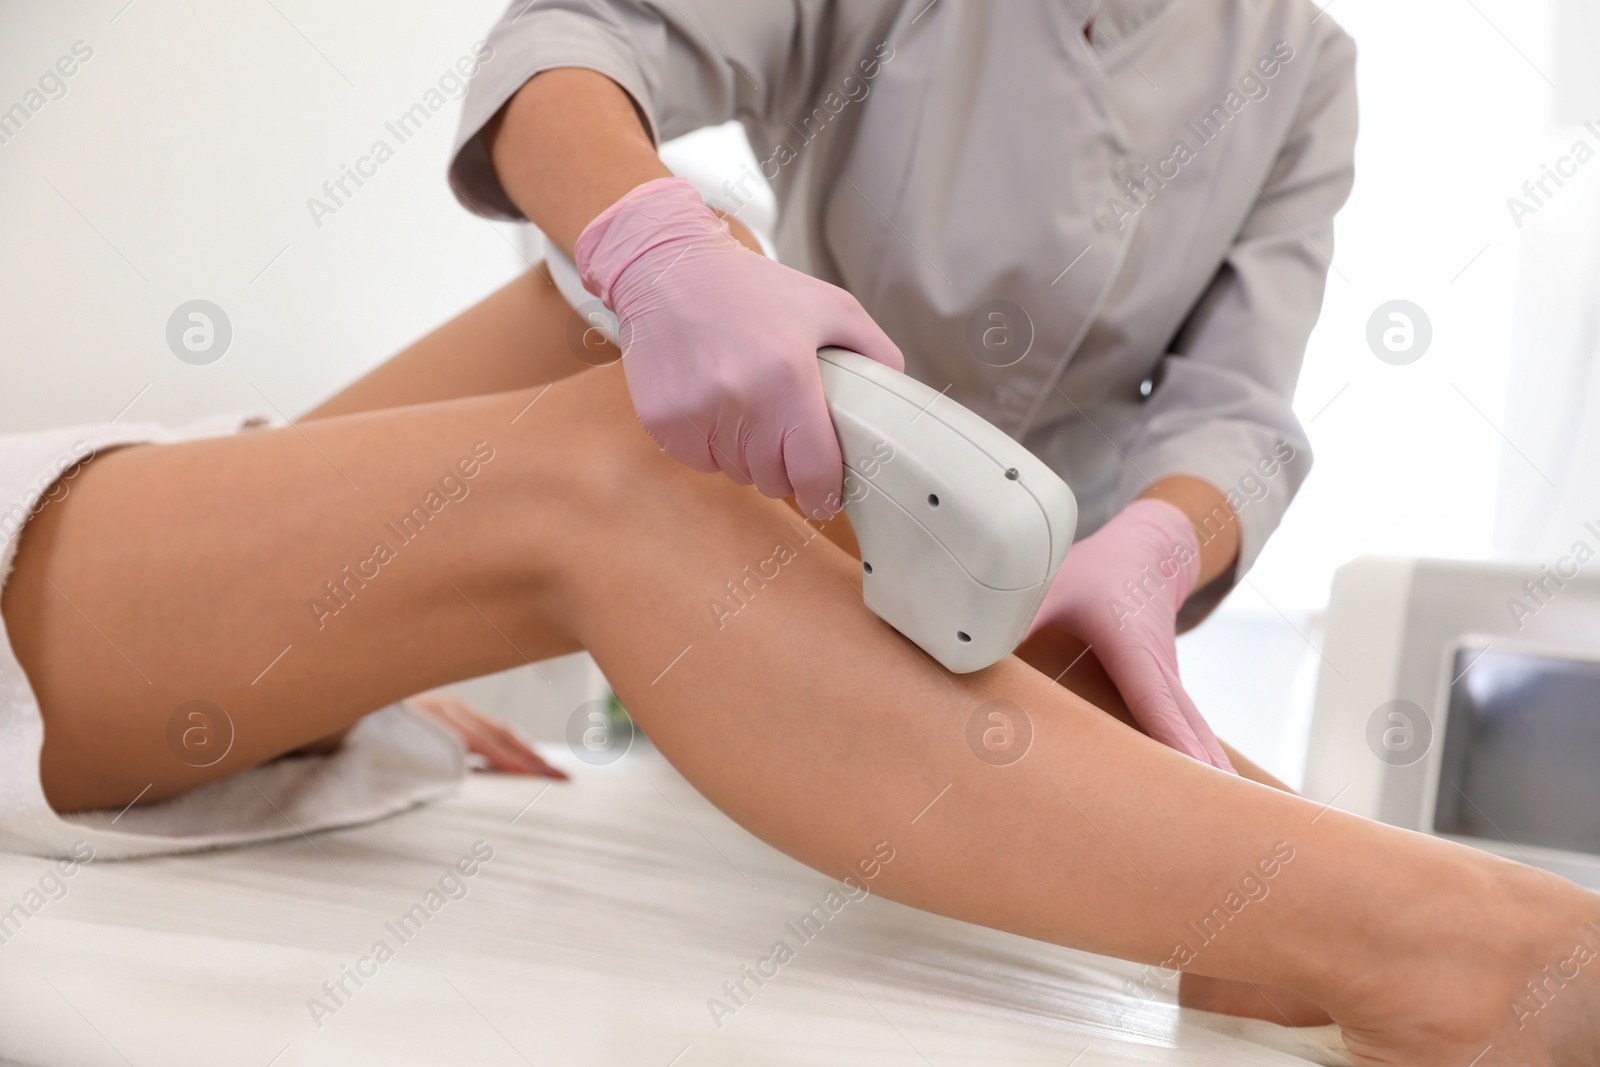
pixel 614 907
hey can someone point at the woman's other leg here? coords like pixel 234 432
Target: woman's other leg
pixel 522 335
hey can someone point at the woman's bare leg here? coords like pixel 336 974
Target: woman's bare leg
pixel 180 572
pixel 525 334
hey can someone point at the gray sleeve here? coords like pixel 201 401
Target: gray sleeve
pixel 1222 410
pixel 686 63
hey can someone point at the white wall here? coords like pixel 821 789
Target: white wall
pixel 1456 112
pixel 1553 391
pixel 1452 119
pixel 178 166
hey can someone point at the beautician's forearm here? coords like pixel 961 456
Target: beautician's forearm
pixel 567 146
pixel 1215 524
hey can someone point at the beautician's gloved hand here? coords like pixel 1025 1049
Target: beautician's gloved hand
pixel 720 343
pixel 1119 590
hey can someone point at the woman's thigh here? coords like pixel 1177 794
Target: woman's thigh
pixel 297 578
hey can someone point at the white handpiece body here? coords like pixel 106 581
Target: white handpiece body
pixel 961 528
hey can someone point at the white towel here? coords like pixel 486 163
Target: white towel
pixel 393 759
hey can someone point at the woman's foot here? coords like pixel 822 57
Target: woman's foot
pixel 1502 967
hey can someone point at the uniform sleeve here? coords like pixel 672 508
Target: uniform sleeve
pixel 686 63
pixel 1222 407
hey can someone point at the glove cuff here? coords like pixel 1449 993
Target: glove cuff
pixel 649 216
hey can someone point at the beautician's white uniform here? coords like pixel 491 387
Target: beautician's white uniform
pixel 1158 200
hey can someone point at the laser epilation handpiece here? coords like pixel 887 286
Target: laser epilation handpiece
pixel 961 528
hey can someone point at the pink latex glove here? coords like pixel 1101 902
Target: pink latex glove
pixel 720 343
pixel 1119 590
